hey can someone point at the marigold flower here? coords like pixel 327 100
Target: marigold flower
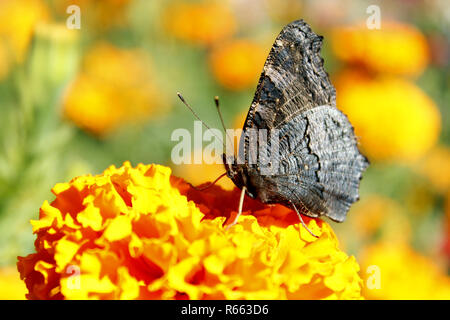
pixel 201 23
pixel 138 233
pixel 18 19
pixel 98 15
pixel 377 216
pixel 395 48
pixel 101 98
pixel 394 119
pixel 436 168
pixel 11 287
pixel 402 274
pixel 237 64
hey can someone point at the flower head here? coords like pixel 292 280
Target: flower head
pixel 100 99
pixel 138 233
pixel 403 274
pixel 394 118
pixel 202 23
pixel 395 48
pixel 435 166
pixel 237 64
pixel 18 19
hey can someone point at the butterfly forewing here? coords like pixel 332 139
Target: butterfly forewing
pixel 293 79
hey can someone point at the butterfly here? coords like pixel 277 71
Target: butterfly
pixel 319 166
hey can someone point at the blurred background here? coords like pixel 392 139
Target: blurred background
pixel 75 101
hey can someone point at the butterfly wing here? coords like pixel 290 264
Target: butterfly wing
pixel 317 165
pixel 293 79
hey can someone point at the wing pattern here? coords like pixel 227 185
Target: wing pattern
pixel 317 164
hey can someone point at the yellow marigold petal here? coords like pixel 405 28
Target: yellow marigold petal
pixel 177 277
pixel 90 263
pixel 88 284
pixel 342 275
pixel 65 250
pixel 128 284
pixel 70 222
pixel 91 217
pixel 48 215
pixel 118 228
pixel 60 188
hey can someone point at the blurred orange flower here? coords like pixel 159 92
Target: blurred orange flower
pixel 403 274
pixel 394 118
pixel 237 64
pixel 380 216
pixel 395 48
pixel 201 23
pixel 11 287
pixel 101 98
pixel 18 19
pixel 98 15
pixel 138 233
pixel 436 168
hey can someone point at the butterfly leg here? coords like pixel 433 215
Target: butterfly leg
pixel 301 219
pixel 241 203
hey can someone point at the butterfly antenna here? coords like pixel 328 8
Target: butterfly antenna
pixel 216 101
pixel 198 118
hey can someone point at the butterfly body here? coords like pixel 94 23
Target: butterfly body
pixel 318 164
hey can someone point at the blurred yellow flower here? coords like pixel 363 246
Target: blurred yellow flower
pixel 101 98
pixel 237 64
pixel 201 23
pixel 18 19
pixel 380 216
pixel 394 119
pixel 11 287
pixel 403 274
pixel 5 63
pixel 98 15
pixel 395 48
pixel 130 233
pixel 436 168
